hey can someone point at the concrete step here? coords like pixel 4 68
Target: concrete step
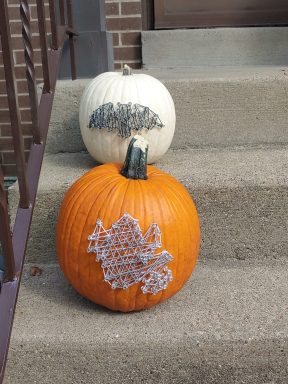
pixel 228 325
pixel 214 47
pixel 214 107
pixel 241 195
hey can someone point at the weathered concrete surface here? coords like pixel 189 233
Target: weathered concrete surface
pixel 241 195
pixel 214 107
pixel 214 47
pixel 228 325
pixel 226 111
pixel 64 131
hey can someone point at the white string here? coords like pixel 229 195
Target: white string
pixel 127 257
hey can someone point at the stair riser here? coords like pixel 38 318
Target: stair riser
pixel 209 113
pixel 186 362
pixel 215 47
pixel 229 113
pixel 236 223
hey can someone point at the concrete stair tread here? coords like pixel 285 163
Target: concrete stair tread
pixel 212 167
pixel 223 73
pixel 228 312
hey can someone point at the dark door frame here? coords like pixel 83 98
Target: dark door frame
pixel 147 15
pixel 152 20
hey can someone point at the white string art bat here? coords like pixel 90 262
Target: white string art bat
pixel 127 257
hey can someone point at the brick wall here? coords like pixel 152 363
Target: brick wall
pixel 6 148
pixel 124 20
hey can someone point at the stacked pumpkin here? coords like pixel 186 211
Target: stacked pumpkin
pixel 128 235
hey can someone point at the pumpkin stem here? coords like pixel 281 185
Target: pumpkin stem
pixel 127 71
pixel 135 164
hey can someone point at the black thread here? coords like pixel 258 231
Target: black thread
pixel 124 118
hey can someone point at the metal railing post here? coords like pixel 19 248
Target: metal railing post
pixel 44 47
pixel 5 234
pixel 30 68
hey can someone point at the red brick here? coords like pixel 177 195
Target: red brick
pixel 34 15
pixel 131 38
pixel 21 87
pixel 19 57
pixel 20 72
pixel 17 2
pixel 2 87
pixel 9 157
pixel 14 13
pixel 112 9
pixel 127 53
pixel 131 8
pixel 25 115
pixel 118 66
pixel 26 129
pixel 115 39
pixel 123 24
pixel 9 170
pixel 16 27
pixel 24 101
pixel 6 143
pixel 17 42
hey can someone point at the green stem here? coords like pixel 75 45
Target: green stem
pixel 135 165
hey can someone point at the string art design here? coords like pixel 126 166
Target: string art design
pixel 127 257
pixel 124 118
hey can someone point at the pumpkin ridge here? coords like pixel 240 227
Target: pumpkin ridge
pixel 141 204
pixel 151 299
pixel 123 82
pixel 154 171
pixel 68 231
pixel 108 84
pixel 74 188
pixel 184 202
pixel 93 201
pixel 180 253
pixel 174 214
pixel 124 186
pixel 126 295
pixel 87 192
pixel 117 294
pixel 89 92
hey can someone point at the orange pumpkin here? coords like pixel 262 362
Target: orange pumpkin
pixel 128 238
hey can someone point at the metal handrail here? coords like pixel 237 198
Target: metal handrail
pixel 14 242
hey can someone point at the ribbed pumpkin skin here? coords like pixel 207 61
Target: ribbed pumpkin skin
pixel 103 193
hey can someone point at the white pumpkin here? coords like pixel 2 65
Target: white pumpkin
pixel 116 106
